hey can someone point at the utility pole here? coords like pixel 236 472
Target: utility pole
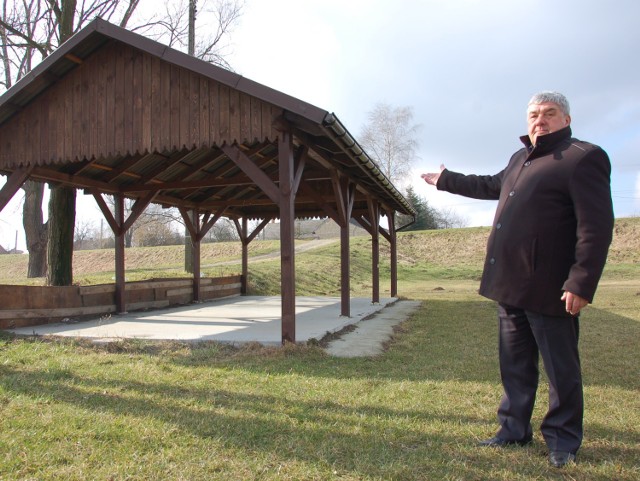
pixel 192 28
pixel 191 50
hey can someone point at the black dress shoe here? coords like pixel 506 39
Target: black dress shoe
pixel 497 442
pixel 560 459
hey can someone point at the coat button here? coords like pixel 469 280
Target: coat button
pixel 527 163
pixel 512 193
pixel 498 225
pixel 492 261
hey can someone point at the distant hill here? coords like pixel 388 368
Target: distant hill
pixel 445 248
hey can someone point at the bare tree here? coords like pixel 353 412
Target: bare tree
pixel 448 218
pixel 17 57
pixel 178 27
pixel 157 234
pixel 390 138
pixel 223 231
pixel 84 233
pixel 30 30
pixel 154 216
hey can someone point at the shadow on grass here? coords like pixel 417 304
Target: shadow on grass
pixel 322 432
pixel 368 441
pixel 447 350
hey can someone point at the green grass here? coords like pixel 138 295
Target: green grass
pixel 136 410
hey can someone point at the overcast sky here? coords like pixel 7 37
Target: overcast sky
pixel 466 67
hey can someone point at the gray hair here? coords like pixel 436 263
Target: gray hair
pixel 553 97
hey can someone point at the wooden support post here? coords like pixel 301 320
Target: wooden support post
pixel 245 256
pixel 374 214
pixel 287 251
pixel 196 242
pixel 393 247
pixel 120 227
pixel 246 238
pixel 375 268
pixel 345 196
pixel 119 248
pixel 345 269
pixel 198 228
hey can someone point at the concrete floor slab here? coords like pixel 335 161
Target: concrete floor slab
pixel 370 336
pixel 232 320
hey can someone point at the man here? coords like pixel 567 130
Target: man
pixel 545 254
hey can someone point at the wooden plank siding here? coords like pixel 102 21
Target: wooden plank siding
pixel 124 101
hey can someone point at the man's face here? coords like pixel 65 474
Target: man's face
pixel 545 118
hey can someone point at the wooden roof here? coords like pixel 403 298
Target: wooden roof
pixel 114 112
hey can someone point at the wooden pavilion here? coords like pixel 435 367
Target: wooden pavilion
pixel 112 112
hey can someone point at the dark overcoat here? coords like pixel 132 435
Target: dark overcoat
pixel 553 224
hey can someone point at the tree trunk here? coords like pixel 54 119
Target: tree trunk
pixel 128 238
pixel 188 252
pixel 62 216
pixel 35 229
pixel 62 204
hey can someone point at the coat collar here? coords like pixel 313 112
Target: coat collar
pixel 548 142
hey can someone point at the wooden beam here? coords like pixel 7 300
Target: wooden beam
pixel 123 166
pixel 261 179
pixel 162 166
pixel 242 232
pixel 189 224
pixel 74 58
pixel 259 228
pixel 320 201
pixel 15 180
pixel 104 208
pixel 48 175
pixel 364 222
pixel 79 167
pixel 300 161
pixel 138 208
pixel 245 239
pixel 209 223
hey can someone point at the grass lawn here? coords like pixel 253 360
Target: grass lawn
pixel 153 411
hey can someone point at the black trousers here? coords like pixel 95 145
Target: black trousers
pixel 523 336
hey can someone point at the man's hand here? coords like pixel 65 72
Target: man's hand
pixel 432 178
pixel 573 303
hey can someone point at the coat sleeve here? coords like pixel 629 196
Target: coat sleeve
pixel 485 187
pixel 590 191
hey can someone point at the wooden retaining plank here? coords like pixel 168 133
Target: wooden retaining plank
pixel 27 305
pixel 56 312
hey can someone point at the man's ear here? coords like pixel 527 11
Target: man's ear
pixel 567 120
